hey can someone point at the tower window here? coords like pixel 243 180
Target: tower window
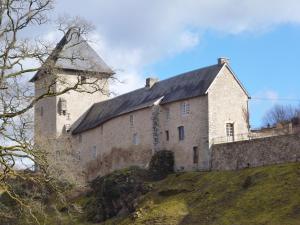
pixel 42 111
pixel 181 133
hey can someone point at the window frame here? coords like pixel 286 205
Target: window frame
pixel 42 111
pixel 181 133
pixel 135 139
pixel 131 120
pixel 167 133
pixel 94 152
pixel 229 129
pixel 167 114
pixel 185 108
pixel 195 155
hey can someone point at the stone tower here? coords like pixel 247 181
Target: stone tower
pixel 72 65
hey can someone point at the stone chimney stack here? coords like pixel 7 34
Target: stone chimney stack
pixel 150 81
pixel 223 60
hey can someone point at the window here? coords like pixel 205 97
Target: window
pixel 185 108
pixel 79 155
pixel 135 139
pixel 57 155
pixel 181 133
pixel 94 152
pixel 131 120
pixel 62 106
pixel 229 129
pixel 80 138
pixel 68 116
pixel 195 155
pixel 167 114
pixel 42 111
pixel 167 135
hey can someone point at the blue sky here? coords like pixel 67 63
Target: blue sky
pixel 162 38
pixel 266 63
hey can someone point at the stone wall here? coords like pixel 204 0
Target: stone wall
pixel 254 153
pixel 227 102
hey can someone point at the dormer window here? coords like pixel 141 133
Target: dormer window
pixel 62 106
pixel 82 79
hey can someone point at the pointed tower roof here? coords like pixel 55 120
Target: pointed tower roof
pixel 75 54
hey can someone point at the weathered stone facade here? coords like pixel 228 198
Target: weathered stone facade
pixel 254 153
pixel 182 114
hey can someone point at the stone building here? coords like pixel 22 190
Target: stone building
pixel 183 114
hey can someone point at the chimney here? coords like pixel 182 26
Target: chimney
pixel 150 81
pixel 223 60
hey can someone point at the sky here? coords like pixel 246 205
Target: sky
pixel 163 38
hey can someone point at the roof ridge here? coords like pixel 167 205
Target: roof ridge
pixel 138 89
pixel 191 71
pixel 182 86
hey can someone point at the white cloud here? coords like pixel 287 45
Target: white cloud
pixel 133 33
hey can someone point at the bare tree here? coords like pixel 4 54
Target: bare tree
pixel 19 58
pixel 280 114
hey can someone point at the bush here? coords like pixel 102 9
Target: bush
pixel 161 164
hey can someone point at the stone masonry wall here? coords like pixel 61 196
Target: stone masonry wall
pixel 254 153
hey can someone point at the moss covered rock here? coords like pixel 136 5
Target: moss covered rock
pixel 116 193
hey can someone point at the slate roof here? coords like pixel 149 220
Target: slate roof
pixel 187 85
pixel 74 53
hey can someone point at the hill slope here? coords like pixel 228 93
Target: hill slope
pixel 266 195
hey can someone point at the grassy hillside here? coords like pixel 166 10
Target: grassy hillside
pixel 258 196
pixel 267 195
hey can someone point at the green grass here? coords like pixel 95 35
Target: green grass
pixel 258 196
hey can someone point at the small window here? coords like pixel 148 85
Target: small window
pixel 167 135
pixel 185 108
pixel 167 114
pixel 79 155
pixel 195 155
pixel 62 106
pixel 131 120
pixel 229 129
pixel 80 138
pixel 68 116
pixel 94 152
pixel 42 111
pixel 135 139
pixel 181 133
